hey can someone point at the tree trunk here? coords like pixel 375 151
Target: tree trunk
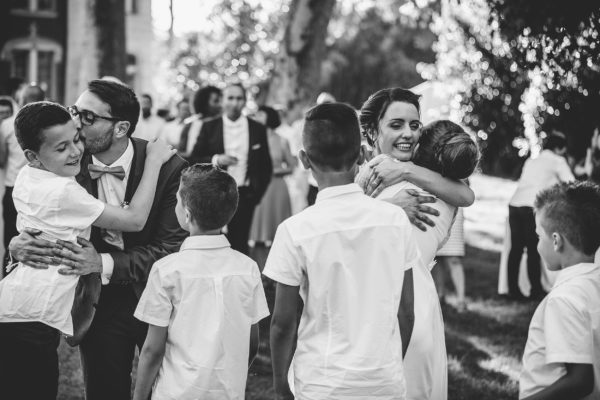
pixel 172 23
pixel 298 71
pixel 109 21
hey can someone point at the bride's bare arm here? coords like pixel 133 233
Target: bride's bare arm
pixel 385 171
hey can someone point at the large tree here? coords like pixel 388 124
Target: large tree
pixel 296 76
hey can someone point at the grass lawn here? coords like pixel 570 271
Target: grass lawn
pixel 484 343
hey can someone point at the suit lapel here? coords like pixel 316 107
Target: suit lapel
pixel 137 168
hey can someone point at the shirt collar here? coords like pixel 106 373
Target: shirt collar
pixel 124 161
pixel 565 275
pixel 238 122
pixel 205 242
pixel 340 190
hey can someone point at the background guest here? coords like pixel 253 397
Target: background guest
pixel 275 205
pixel 206 104
pixel 150 126
pixel 538 173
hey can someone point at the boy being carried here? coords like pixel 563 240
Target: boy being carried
pixel 202 303
pixel 346 257
pixel 562 357
pixel 35 304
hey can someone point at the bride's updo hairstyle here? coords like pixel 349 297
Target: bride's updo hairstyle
pixel 377 104
pixel 445 147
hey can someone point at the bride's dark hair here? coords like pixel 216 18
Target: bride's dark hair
pixel 446 148
pixel 376 105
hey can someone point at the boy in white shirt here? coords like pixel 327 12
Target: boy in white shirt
pixel 346 256
pixel 562 355
pixel 203 303
pixel 35 304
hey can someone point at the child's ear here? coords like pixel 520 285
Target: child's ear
pixel 32 158
pixel 121 128
pixel 304 159
pixel 558 242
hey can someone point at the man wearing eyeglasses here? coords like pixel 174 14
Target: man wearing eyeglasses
pixel 114 266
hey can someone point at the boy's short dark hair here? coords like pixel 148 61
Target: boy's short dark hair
pixel 331 136
pixel 210 194
pixel 122 101
pixel 573 210
pixel 33 118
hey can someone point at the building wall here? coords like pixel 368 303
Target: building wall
pixel 140 45
pixel 34 38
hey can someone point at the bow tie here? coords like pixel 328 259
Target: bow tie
pixel 97 171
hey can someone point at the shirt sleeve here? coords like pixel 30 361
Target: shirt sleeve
pixel 564 172
pixel 285 262
pixel 78 208
pixel 257 306
pixel 568 333
pixel 155 306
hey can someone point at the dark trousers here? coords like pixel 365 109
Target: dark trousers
pixel 28 361
pixel 311 197
pixel 522 235
pixel 238 229
pixel 9 214
pixel 108 349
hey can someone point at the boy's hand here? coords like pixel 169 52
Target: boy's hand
pixel 82 260
pixel 159 151
pixel 32 251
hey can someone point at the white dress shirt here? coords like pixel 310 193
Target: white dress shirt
pixel 15 159
pixel 348 254
pixel 565 328
pixel 538 174
pixel 62 209
pixel 236 140
pixel 111 190
pixel 208 296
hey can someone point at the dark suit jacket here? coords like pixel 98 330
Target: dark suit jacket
pixel 260 166
pixel 160 236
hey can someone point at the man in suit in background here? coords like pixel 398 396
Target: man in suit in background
pixel 115 265
pixel 239 145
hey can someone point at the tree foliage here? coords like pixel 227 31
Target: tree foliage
pixel 519 67
pixel 381 51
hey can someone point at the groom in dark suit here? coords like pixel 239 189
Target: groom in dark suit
pixel 239 145
pixel 115 265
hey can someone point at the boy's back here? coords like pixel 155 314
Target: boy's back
pixel 348 254
pixel 564 329
pixel 209 296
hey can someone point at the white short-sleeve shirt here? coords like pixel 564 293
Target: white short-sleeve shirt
pixel 62 209
pixel 565 328
pixel 348 254
pixel 208 295
pixel 425 362
pixel 538 174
